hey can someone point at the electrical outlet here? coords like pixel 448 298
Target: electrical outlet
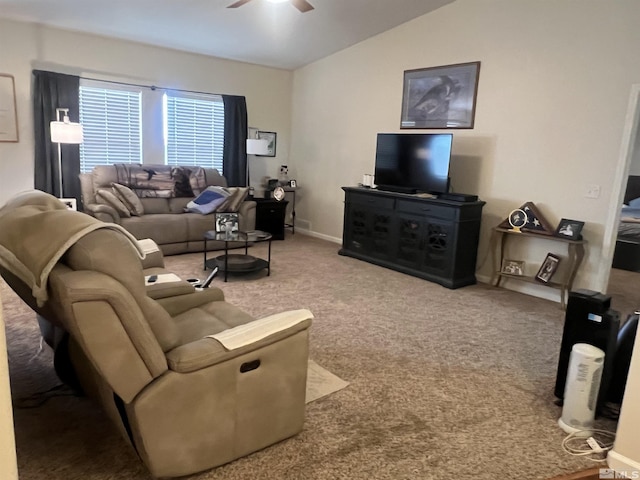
pixel 592 191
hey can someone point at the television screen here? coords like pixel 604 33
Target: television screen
pixel 413 162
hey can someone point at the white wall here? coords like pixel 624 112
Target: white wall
pixel 554 84
pixel 27 46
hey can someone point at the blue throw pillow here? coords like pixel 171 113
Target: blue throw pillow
pixel 208 201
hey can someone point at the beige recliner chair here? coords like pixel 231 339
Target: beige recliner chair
pixel 186 401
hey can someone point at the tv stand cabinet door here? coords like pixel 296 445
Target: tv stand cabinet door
pixel 425 245
pixel 368 226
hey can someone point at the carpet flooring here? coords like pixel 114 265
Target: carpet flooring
pixel 443 384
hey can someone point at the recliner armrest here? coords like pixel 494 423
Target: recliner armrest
pixel 206 352
pixel 175 305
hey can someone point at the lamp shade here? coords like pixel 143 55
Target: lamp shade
pixel 66 132
pixel 257 146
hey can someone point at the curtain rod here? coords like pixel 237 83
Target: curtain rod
pixel 152 87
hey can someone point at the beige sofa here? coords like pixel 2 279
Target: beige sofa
pixel 164 219
pixel 185 402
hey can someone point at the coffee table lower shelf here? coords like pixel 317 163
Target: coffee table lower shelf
pixel 235 263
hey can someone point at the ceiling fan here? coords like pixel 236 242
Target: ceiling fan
pixel 301 5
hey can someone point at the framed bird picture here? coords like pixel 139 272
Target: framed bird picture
pixel 440 97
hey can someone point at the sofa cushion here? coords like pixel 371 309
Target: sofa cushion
pixel 107 197
pixel 155 205
pixel 178 204
pixel 196 226
pixel 163 227
pixel 128 198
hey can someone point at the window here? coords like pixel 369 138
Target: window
pixel 111 120
pixel 128 124
pixel 194 130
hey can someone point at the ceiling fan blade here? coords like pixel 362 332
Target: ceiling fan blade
pixel 239 3
pixel 302 5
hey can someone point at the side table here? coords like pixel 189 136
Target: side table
pixel 238 263
pixel 270 215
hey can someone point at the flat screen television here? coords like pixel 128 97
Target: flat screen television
pixel 413 162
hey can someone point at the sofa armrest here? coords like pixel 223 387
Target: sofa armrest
pixel 102 212
pixel 207 351
pixel 247 216
pixel 177 304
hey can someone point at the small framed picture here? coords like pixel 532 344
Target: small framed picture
pixel 513 267
pixel 548 268
pixel 70 203
pixel 292 183
pixel 569 229
pixel 223 218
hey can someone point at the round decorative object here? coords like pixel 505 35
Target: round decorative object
pixel 518 219
pixel 278 193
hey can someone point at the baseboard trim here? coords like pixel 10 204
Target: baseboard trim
pixel 321 236
pixel 622 464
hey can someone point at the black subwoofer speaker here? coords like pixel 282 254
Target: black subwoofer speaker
pixel 589 319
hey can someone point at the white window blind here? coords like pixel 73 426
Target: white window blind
pixel 194 130
pixel 111 119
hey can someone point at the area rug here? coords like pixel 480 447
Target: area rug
pixel 321 382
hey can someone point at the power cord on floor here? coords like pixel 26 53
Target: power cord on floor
pixel 584 443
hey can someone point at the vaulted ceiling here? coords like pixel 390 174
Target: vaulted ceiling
pixel 271 34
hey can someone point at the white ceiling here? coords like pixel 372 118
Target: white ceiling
pixel 275 35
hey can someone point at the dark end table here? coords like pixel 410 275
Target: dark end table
pixel 237 263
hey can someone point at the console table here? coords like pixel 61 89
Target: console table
pixel 429 238
pixel 575 250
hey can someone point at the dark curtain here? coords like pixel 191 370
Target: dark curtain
pixel 50 91
pixel 234 157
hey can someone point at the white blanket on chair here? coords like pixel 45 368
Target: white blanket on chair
pixel 257 330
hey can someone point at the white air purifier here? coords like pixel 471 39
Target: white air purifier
pixel 581 389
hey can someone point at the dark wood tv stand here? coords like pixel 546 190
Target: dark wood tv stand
pixel 429 238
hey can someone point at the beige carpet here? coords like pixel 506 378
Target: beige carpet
pixel 443 384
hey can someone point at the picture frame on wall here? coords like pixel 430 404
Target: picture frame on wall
pixel 548 268
pixel 8 109
pixel 570 229
pixel 440 97
pixel 271 138
pixel 70 203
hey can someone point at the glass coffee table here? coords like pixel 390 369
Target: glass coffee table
pixel 237 263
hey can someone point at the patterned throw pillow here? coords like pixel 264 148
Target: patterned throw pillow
pixel 129 199
pixel 236 197
pixel 106 197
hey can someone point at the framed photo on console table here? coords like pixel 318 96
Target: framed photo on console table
pixel 440 97
pixel 513 267
pixel 548 268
